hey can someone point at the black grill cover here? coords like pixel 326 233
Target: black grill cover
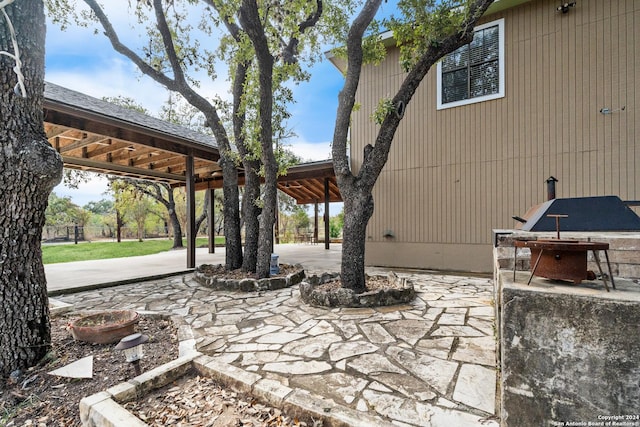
pixel 606 213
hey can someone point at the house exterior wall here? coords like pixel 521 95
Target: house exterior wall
pixel 455 174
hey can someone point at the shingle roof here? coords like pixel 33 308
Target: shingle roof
pixel 62 95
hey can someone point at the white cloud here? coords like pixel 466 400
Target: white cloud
pixel 117 76
pixel 311 151
pixel 86 192
pixel 113 78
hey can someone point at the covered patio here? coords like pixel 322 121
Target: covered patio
pixel 97 136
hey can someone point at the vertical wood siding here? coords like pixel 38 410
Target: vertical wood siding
pixel 453 175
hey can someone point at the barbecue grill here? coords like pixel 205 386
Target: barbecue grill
pixel 559 259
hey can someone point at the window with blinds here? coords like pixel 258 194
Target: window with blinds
pixel 474 72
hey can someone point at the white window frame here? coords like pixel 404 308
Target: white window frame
pixel 501 91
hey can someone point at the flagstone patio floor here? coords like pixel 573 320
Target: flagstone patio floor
pixel 428 363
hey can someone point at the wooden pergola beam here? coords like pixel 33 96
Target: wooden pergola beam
pixel 114 167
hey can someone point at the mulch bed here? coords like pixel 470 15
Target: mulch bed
pixel 200 401
pixel 39 399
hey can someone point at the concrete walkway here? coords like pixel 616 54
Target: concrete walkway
pixel 108 272
pixel 428 363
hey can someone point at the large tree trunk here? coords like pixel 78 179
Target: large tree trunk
pixel 250 208
pixel 173 217
pixel 250 213
pixel 231 209
pixel 250 20
pixel 358 208
pixel 29 169
pixel 267 219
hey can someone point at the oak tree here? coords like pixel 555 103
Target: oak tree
pixel 29 169
pixel 426 31
pixel 261 41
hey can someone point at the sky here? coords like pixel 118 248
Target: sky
pixel 81 60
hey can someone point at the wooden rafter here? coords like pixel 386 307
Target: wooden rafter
pixel 81 143
pixel 91 139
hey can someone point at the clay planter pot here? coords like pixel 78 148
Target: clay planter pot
pixel 104 327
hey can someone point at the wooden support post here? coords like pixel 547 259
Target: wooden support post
pixel 326 213
pixel 276 224
pixel 315 223
pixel 211 223
pixel 191 214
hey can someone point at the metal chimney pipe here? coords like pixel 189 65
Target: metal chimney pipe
pixel 551 188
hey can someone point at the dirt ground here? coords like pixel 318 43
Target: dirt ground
pixel 219 271
pixel 41 400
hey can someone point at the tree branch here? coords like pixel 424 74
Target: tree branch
pixel 371 170
pixel 204 214
pixel 143 187
pixel 111 34
pixel 180 85
pixel 290 50
pixel 347 96
pixel 232 27
pixel 167 41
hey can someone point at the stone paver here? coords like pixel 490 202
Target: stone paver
pixel 428 363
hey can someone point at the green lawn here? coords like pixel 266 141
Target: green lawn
pixel 52 254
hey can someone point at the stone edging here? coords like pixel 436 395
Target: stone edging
pixel 58 308
pixel 402 293
pixel 103 409
pixel 247 285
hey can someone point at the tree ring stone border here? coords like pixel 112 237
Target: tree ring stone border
pixel 216 282
pixel 402 292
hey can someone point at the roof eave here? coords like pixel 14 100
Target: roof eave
pixel 387 36
pixel 500 5
pixel 189 144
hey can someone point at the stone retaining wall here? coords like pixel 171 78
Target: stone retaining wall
pixel 569 354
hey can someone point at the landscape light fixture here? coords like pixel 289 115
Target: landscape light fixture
pixel 132 346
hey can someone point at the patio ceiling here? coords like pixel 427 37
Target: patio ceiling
pixel 97 136
pixel 304 182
